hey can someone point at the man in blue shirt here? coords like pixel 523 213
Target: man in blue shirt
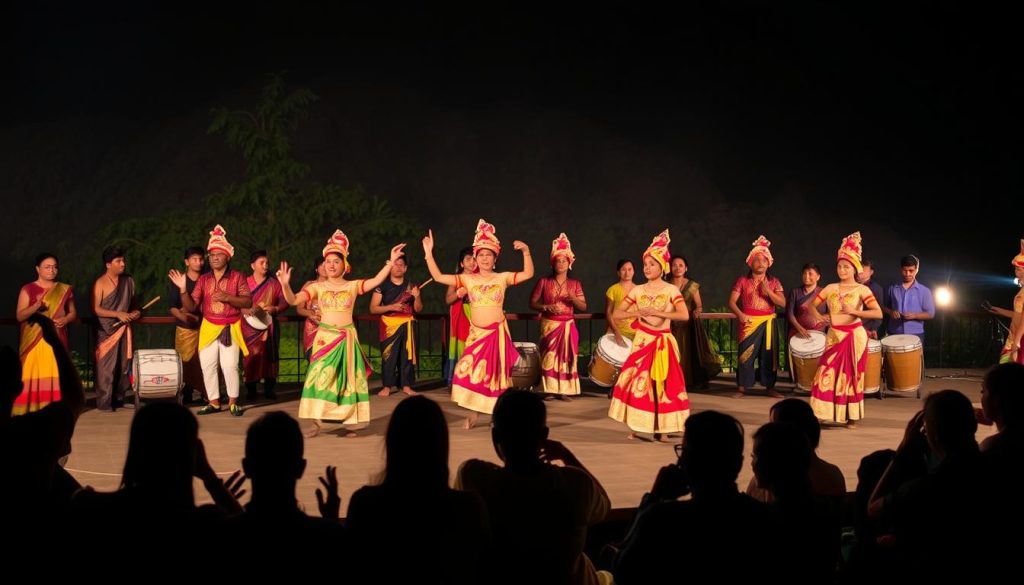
pixel 908 304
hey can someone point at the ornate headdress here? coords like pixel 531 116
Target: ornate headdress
pixel 338 244
pixel 852 251
pixel 484 238
pixel 219 242
pixel 761 245
pixel 659 250
pixel 562 247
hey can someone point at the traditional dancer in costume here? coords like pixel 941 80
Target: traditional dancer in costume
pixel 335 387
pixel 838 391
pixel 222 293
pixel 759 293
pixel 556 296
pixel 39 376
pixel 485 369
pixel 650 393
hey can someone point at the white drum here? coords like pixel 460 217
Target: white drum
pixel 156 373
pixel 607 360
pixel 804 353
pixel 259 321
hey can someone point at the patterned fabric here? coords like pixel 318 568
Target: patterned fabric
pixel 336 387
pixel 219 242
pixel 39 376
pixel 837 393
pixel 650 393
pixel 559 354
pixel 484 371
pixel 233 283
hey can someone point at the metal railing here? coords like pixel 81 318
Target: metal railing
pixel 954 339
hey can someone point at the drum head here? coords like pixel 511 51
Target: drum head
pixel 874 346
pixel 809 347
pixel 612 351
pixel 901 343
pixel 259 321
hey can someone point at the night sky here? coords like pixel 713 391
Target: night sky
pixel 835 116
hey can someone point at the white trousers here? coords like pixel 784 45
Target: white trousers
pixel 215 356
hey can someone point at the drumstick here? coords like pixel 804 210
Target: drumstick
pixel 144 307
pixel 426 282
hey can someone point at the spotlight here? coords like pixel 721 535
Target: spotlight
pixel 943 296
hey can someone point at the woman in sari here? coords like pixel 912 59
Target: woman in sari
pixel 797 313
pixel 650 393
pixel 621 328
pixel 837 394
pixel 458 313
pixel 335 387
pixel 311 310
pixel 699 361
pixel 41 384
pixel 484 371
pixel 555 297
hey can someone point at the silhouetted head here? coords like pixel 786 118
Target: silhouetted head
pixel 799 414
pixel 712 452
pixel 417 445
pixel 1002 392
pixel 781 458
pixel 274 450
pixel 519 426
pixel 161 449
pixel 949 422
pixel 10 379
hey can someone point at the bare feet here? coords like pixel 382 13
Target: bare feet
pixel 564 398
pixel 351 435
pixel 739 394
pixel 408 391
pixel 384 392
pixel 470 421
pixel 313 431
pixel 631 436
pixel 661 438
pixel 774 393
pixel 851 424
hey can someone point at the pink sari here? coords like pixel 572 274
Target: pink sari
pixel 838 391
pixel 559 349
pixel 484 371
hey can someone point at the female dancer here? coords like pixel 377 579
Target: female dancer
pixel 485 369
pixel 335 387
pixel 650 393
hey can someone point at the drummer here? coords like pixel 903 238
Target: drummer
pixel 264 338
pixel 837 394
pixel 556 297
pixel 909 304
pixel 800 322
pixel 650 393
